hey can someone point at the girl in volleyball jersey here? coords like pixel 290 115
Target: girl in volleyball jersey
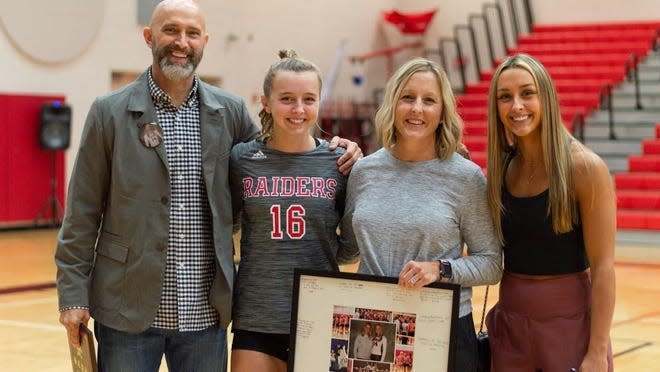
pixel 289 194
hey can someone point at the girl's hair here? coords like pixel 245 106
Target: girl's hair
pixel 448 133
pixel 289 61
pixel 556 144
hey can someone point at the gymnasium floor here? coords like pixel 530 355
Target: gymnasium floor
pixel 33 340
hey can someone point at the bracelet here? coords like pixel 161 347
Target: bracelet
pixel 74 308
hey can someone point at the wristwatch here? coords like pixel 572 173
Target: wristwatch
pixel 445 269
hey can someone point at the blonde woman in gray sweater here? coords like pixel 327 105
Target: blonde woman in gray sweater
pixel 413 204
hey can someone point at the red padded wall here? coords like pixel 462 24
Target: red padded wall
pixel 25 169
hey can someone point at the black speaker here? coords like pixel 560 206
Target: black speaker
pixel 55 128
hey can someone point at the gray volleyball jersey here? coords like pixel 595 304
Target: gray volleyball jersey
pixel 291 206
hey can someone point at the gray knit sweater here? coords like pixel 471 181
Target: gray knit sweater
pixel 398 211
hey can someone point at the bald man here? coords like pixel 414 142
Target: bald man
pixel 145 247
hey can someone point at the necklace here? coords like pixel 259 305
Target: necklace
pixel 534 167
pixel 531 175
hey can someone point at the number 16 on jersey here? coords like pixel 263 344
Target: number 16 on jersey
pixel 294 221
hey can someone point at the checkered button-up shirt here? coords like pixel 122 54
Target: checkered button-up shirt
pixel 190 266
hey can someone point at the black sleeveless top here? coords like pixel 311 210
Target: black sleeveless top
pixel 530 245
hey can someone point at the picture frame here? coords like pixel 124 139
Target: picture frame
pixel 346 322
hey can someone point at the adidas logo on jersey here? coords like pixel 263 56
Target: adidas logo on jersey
pixel 258 155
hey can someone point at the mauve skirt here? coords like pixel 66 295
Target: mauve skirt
pixel 541 325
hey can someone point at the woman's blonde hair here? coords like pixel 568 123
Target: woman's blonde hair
pixel 289 61
pixel 448 133
pixel 556 144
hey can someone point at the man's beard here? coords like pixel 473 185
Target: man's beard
pixel 174 71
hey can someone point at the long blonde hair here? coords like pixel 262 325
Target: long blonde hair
pixel 448 133
pixel 556 144
pixel 289 61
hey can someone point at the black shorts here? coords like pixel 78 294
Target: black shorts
pixel 275 344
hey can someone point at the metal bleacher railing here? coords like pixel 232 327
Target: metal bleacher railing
pixel 578 126
pixel 483 40
pixel 605 102
pixel 631 75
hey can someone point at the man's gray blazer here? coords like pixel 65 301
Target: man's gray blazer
pixel 112 246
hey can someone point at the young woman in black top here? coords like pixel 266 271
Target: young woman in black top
pixel 554 209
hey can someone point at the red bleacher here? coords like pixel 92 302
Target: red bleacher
pixel 624 28
pixel 638 191
pixel 574 48
pixel 584 36
pixel 575 85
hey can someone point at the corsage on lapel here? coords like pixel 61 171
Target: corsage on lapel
pixel 151 134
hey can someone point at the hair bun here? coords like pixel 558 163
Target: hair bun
pixel 287 53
